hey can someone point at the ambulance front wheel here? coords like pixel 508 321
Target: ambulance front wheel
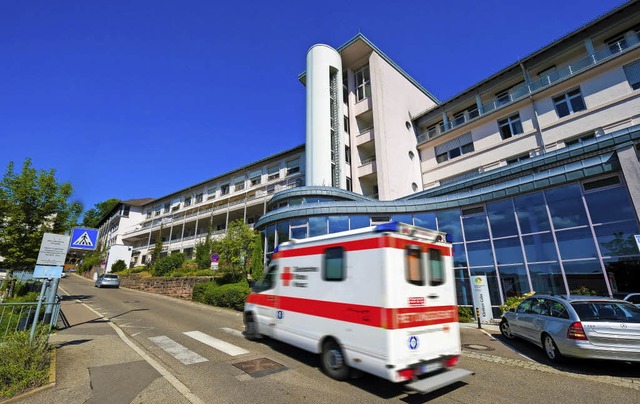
pixel 333 361
pixel 251 328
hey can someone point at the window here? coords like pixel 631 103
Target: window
pixel 238 186
pixel 347 154
pixel 454 148
pixel 125 210
pixel 503 97
pixel 617 44
pixel 273 173
pixel 346 124
pixel 148 214
pixel 167 207
pixel 569 103
pixel 580 139
pixel 414 273
pixel 211 193
pixel 157 212
pixel 517 159
pixel 458 119
pixel 510 126
pixel 348 183
pixel 224 189
pixel 436 267
pixel 632 71
pixel 268 282
pixel 293 166
pixel 363 84
pixel 187 201
pixel 255 180
pixel 334 264
pixel 199 198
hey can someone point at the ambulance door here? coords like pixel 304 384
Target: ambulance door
pixel 267 309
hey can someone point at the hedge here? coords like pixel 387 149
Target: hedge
pixel 232 295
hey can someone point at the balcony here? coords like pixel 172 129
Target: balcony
pixel 520 92
pixel 365 135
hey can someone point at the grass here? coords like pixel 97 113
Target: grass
pixel 24 365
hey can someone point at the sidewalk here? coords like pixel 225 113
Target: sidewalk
pixel 94 365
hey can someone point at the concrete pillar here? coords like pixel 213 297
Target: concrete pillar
pixel 631 171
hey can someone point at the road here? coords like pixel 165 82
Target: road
pixel 203 348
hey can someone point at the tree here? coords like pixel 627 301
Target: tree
pixel 92 217
pixel 32 203
pixel 203 253
pixel 235 250
pixel 257 263
pixel 157 249
pixel 118 266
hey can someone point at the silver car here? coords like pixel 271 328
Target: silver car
pixel 108 280
pixel 577 326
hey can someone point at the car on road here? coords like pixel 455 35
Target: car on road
pixel 108 280
pixel 590 327
pixel 633 298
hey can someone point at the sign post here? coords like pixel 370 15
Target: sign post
pixel 481 298
pixel 214 261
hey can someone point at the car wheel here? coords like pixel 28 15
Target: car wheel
pixel 251 328
pixel 505 329
pixel 333 361
pixel 550 348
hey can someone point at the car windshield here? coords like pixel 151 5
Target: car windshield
pixel 607 311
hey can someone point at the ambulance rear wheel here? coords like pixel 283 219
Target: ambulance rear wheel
pixel 333 361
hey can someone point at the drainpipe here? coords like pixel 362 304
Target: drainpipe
pixel 536 123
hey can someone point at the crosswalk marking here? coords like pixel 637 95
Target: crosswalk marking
pixel 232 331
pixel 181 353
pixel 220 345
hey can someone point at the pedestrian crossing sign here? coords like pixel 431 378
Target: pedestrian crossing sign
pixel 84 239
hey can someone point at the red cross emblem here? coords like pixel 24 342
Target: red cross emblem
pixel 286 276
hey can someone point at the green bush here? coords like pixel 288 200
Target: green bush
pixel 465 314
pixel 23 365
pixel 513 302
pixel 232 295
pixel 165 265
pixel 118 266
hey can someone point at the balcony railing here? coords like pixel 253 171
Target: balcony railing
pixel 367 161
pixel 517 93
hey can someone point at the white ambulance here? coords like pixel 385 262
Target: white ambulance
pixel 380 299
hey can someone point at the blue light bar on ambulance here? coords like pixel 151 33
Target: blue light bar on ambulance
pixel 390 226
pixel 413 231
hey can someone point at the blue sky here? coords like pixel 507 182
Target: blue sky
pixel 134 99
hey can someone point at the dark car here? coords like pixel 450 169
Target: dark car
pixel 108 280
pixel 577 326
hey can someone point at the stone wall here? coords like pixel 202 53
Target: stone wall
pixel 181 288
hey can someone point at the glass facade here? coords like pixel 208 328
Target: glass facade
pixel 566 239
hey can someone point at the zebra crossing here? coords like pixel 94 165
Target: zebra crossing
pixel 189 357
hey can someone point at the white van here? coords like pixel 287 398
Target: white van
pixel 380 299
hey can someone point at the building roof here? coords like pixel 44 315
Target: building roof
pixel 137 202
pixel 360 39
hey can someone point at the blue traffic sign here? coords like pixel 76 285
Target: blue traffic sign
pixel 84 239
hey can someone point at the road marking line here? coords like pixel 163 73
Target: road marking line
pixel 177 384
pixel 181 353
pixel 232 331
pixel 220 345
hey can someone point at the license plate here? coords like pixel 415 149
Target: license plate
pixel 431 367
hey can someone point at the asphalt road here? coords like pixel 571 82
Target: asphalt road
pixel 179 335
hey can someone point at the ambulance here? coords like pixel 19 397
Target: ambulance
pixel 380 299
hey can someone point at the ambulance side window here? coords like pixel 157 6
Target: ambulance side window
pixel 436 267
pixel 415 273
pixel 334 264
pixel 268 282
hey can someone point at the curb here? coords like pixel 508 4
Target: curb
pixel 50 384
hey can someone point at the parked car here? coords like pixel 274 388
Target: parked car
pixel 108 280
pixel 577 326
pixel 633 298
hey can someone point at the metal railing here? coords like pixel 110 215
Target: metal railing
pixel 525 89
pixel 24 316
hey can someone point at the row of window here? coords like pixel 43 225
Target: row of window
pixel 272 174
